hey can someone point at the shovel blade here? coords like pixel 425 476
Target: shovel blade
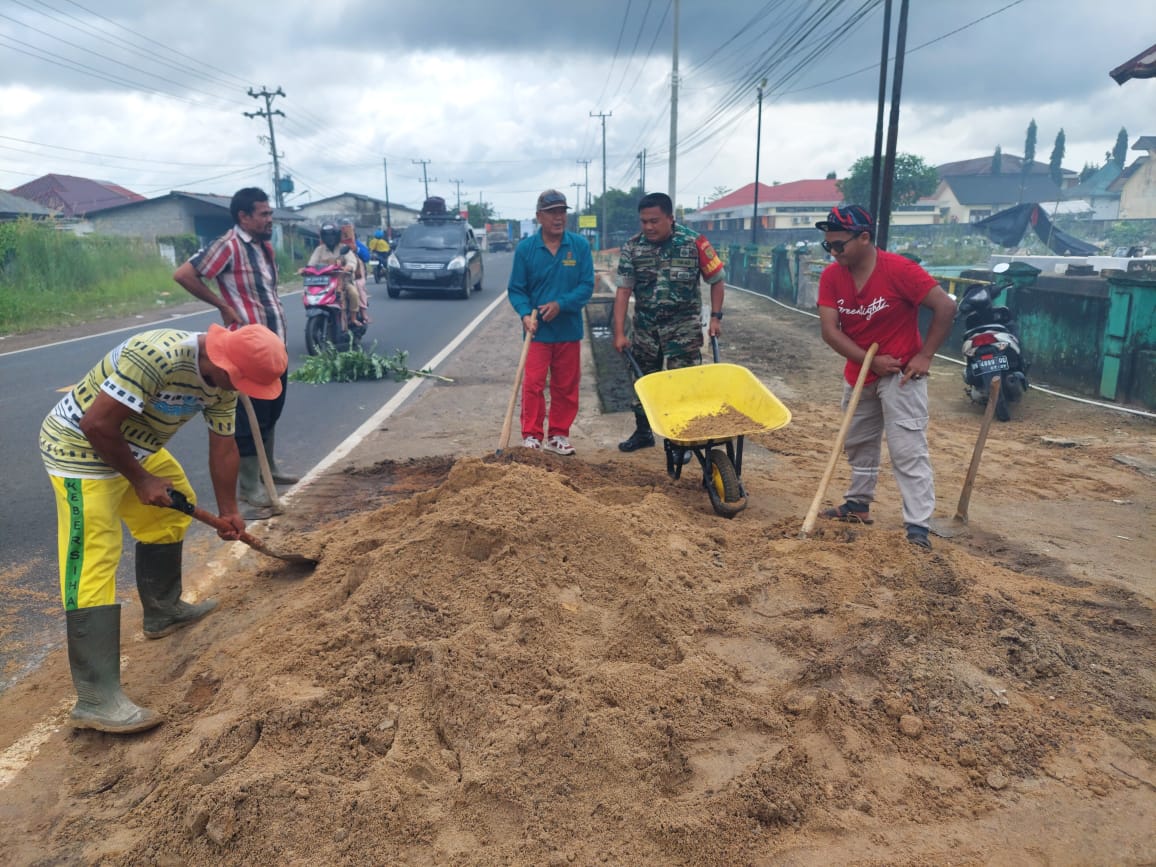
pixel 948 529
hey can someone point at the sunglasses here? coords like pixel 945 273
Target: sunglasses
pixel 836 247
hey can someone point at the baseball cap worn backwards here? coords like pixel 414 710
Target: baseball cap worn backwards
pixel 550 200
pixel 850 218
pixel 253 356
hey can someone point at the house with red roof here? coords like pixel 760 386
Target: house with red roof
pixel 70 196
pixel 793 205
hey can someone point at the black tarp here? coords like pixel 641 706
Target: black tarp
pixel 1007 228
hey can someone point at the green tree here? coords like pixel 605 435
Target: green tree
pixel 997 161
pixel 1087 171
pixel 1030 146
pixel 914 179
pixel 1120 151
pixel 480 213
pixel 621 213
pixel 831 176
pixel 1055 164
pixel 718 192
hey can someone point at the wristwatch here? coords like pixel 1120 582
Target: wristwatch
pixel 716 315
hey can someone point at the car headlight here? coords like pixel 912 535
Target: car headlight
pixel 392 261
pixel 457 263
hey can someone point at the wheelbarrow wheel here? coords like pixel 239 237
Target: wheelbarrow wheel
pixel 726 493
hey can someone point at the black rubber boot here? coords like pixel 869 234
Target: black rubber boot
pixel 94 657
pixel 279 478
pixel 158 581
pixel 251 488
pixel 642 438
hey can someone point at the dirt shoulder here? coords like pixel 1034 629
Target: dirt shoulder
pixel 529 659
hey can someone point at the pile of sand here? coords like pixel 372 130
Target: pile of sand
pixel 553 662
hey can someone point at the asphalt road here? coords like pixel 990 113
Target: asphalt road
pixel 315 421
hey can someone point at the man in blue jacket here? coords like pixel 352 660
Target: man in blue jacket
pixel 553 274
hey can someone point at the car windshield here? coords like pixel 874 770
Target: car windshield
pixel 434 236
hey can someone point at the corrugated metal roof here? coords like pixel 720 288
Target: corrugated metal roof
pixel 72 196
pixel 1003 189
pixel 12 205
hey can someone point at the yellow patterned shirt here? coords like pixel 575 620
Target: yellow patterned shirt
pixel 155 374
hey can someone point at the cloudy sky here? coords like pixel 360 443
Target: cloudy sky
pixel 498 95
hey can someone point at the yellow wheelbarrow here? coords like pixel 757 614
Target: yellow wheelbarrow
pixel 708 410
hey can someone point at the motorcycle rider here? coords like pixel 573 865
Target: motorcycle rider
pixel 349 237
pixel 331 251
pixel 379 247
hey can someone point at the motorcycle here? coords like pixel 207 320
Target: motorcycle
pixel 991 345
pixel 325 316
pixel 380 268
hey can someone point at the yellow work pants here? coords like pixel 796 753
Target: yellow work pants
pixel 88 516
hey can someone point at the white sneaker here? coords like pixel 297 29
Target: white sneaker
pixel 531 443
pixel 559 445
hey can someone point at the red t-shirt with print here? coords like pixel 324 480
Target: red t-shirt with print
pixel 886 311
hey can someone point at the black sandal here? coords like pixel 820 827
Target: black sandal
pixel 855 513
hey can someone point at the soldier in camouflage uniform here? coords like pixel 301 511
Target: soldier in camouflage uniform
pixel 661 266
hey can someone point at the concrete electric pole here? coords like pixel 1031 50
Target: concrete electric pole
pixel 672 184
pixel 425 180
pixel 603 116
pixel 278 194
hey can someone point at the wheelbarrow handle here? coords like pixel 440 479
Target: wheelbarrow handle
pixel 634 364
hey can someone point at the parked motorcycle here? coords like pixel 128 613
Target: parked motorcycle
pixel 325 317
pixel 991 344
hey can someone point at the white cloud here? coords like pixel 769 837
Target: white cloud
pixel 500 95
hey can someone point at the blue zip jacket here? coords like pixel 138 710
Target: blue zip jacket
pixel 539 276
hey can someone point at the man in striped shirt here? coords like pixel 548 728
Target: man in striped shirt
pixel 103 446
pixel 245 268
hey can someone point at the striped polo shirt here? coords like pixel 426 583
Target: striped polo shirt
pixel 155 374
pixel 246 274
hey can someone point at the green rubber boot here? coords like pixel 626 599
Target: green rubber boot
pixel 94 657
pixel 279 477
pixel 158 581
pixel 251 489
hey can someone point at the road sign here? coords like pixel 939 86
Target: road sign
pixel 587 221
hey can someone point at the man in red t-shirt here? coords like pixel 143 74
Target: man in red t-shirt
pixel 871 296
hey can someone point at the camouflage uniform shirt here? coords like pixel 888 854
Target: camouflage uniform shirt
pixel 665 277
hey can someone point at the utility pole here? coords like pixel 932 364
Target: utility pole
pixel 388 226
pixel 672 185
pixel 603 116
pixel 278 195
pixel 577 184
pixel 642 171
pixel 758 148
pixel 585 183
pixel 883 218
pixel 458 183
pixel 424 179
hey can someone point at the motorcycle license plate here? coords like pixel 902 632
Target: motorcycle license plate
pixel 315 280
pixel 991 364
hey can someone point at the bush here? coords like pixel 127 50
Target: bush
pixel 52 277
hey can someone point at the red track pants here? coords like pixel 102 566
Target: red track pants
pixel 563 363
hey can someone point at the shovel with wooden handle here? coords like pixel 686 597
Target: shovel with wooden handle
pixel 504 439
pixel 181 504
pixel 262 458
pixel 864 369
pixel 950 529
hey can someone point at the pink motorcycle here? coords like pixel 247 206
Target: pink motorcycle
pixel 326 319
